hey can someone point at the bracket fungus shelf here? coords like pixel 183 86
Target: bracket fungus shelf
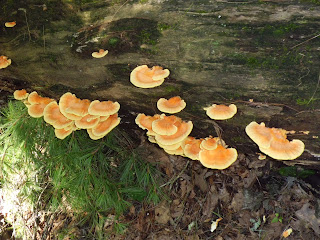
pixel 72 113
pixel 144 77
pixel 221 112
pixel 172 105
pixel 4 61
pixel 100 54
pixel 273 142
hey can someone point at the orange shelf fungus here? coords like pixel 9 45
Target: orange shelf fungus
pixel 36 104
pixel 104 108
pixel 145 122
pixel 4 62
pixel 87 121
pixel 53 116
pixel 106 126
pixel 170 147
pixel 178 151
pixel 72 107
pixel 62 133
pixel 219 158
pixel 183 131
pixel 144 77
pixel 173 105
pixel 165 125
pixel 20 94
pixel 273 142
pixel 191 147
pixel 100 54
pixel 10 24
pixel 221 112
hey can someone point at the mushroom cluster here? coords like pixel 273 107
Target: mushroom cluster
pixel 172 134
pixel 273 142
pixel 72 113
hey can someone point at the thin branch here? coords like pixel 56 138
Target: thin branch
pixel 305 41
pixel 315 90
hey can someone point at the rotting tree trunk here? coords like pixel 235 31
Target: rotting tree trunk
pixel 217 52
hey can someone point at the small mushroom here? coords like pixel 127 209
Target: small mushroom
pixel 4 62
pixel 53 116
pixel 87 121
pixel 219 158
pixel 36 104
pixel 165 125
pixel 10 24
pixel 191 147
pixel 183 131
pixel 20 94
pixel 106 126
pixel 144 77
pixel 72 107
pixel 145 122
pixel 100 54
pixel 104 108
pixel 221 112
pixel 173 105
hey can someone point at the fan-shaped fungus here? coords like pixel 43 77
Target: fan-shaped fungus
pixel 106 126
pixel 221 112
pixel 100 54
pixel 165 125
pixel 274 142
pixel 4 62
pixel 183 131
pixel 173 105
pixel 219 158
pixel 72 107
pixel 191 148
pixel 62 133
pixel 87 121
pixel 104 108
pixel 10 24
pixel 20 94
pixel 145 122
pixel 144 77
pixel 36 104
pixel 53 116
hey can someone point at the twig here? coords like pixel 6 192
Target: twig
pixel 173 179
pixel 48 226
pixel 305 41
pixel 25 14
pixel 44 39
pixel 118 10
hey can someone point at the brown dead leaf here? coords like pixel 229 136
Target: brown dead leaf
pixel 307 214
pixel 199 180
pixel 211 202
pixel 162 213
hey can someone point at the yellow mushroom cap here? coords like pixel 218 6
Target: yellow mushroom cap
pixel 159 73
pixel 259 133
pixel 87 121
pixel 142 77
pixel 92 136
pixel 35 98
pixel 170 147
pixel 165 125
pixel 219 158
pixel 145 122
pixel 221 112
pixel 209 143
pixel 106 126
pixel 100 54
pixel 20 94
pixel 283 149
pixel 62 133
pixel 274 142
pixel 4 62
pixel 10 24
pixel 173 105
pixel 178 151
pixel 192 148
pixel 184 129
pixel 53 116
pixel 36 110
pixel 72 107
pixel 104 108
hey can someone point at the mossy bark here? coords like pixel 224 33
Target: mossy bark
pixel 217 52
